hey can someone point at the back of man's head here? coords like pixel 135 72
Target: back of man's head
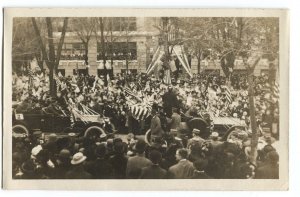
pixel 200 164
pixel 183 153
pixel 140 146
pixel 155 156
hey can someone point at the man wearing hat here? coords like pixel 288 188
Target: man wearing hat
pixel 169 100
pixel 136 163
pixel 155 126
pixel 196 139
pixel 270 168
pixel 78 171
pixel 175 119
pixel 215 139
pixel 63 164
pixel 101 168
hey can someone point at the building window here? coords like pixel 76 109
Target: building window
pixel 103 72
pixel 121 24
pixel 118 51
pixel 73 51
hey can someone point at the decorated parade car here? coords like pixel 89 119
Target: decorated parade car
pixel 84 122
pixel 224 126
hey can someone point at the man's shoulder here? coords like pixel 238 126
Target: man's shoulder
pixel 174 167
pixel 138 158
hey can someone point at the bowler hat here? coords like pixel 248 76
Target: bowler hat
pixel 64 154
pixel 100 150
pixel 28 167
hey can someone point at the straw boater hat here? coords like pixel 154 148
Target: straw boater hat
pixel 78 158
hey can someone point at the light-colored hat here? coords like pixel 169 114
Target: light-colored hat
pixel 196 131
pixel 178 139
pixel 214 134
pixel 78 158
pixel 71 134
pixel 35 151
pixel 52 137
pixel 103 135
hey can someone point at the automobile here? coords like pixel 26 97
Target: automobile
pixel 225 126
pixel 27 123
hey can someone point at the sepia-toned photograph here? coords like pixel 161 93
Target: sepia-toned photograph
pixel 143 95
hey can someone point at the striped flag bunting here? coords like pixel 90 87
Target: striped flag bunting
pixel 30 73
pixel 140 111
pixel 275 92
pixel 228 94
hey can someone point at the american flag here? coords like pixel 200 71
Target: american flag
pixel 228 94
pixel 275 92
pixel 140 111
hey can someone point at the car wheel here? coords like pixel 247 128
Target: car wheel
pixel 19 131
pixel 93 132
pixel 148 137
pixel 110 128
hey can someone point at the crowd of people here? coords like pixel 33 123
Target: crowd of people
pixel 110 157
pixel 169 154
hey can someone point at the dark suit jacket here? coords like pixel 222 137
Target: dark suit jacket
pixel 100 168
pixel 135 165
pixel 78 172
pixel 200 175
pixel 267 171
pixel 153 172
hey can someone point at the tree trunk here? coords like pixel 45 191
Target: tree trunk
pixel 51 56
pixel 166 45
pixel 254 139
pixel 102 41
pixel 52 83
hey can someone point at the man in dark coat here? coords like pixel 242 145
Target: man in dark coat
pixel 270 168
pixel 155 127
pixel 119 161
pixel 169 100
pixel 199 172
pixel 154 171
pixel 101 168
pixel 78 171
pixel 136 163
pixel 63 164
